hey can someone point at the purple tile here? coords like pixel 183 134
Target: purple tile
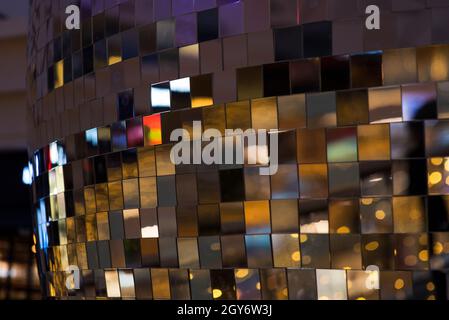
pixel 86 8
pixel 186 30
pixel 205 4
pixel 97 6
pixel 162 9
pixel 111 3
pixel 231 19
pixel 180 7
pixel 223 2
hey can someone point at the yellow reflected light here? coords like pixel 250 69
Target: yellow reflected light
pixel 436 161
pixel 59 74
pixel 438 248
pixel 241 273
pixel 399 284
pixel 380 214
pixel 296 256
pixel 343 230
pixel 435 177
pixel 216 293
pixel 424 255
pixel 114 59
pixel 367 201
pixel 372 246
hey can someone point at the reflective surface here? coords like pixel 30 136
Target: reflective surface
pixel 357 210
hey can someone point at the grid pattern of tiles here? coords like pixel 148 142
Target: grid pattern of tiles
pixel 364 169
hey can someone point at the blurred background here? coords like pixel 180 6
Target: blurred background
pixel 18 271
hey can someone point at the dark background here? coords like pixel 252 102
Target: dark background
pixel 18 271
